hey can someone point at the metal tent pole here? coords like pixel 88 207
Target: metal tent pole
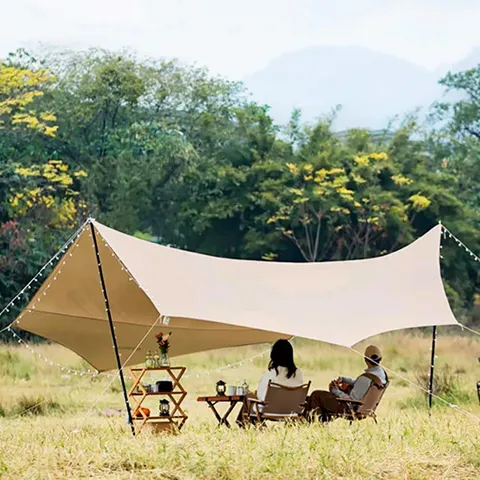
pixel 112 329
pixel 432 367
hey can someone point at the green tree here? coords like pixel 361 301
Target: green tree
pixel 344 203
pixel 39 200
pixel 180 156
pixel 455 145
pixel 137 127
pixel 215 207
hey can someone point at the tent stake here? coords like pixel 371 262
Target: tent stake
pixel 112 329
pixel 432 367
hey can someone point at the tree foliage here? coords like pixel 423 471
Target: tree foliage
pixel 456 145
pixel 40 201
pixel 19 88
pixel 167 151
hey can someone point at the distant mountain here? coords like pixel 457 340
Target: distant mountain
pixel 470 61
pixel 372 87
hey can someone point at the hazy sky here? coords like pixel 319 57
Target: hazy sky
pixel 236 38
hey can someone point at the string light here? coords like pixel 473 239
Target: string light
pixel 445 232
pixel 40 272
pixel 19 340
pixel 166 319
pixel 229 366
pixel 9 328
pixel 49 361
pixel 464 327
pixel 199 374
pixel 73 240
pixel 460 243
pixel 96 373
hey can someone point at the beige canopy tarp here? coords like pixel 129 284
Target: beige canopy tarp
pixel 214 302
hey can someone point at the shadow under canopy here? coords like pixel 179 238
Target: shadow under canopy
pixel 214 302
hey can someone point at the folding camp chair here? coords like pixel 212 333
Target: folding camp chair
pixel 360 409
pixel 281 403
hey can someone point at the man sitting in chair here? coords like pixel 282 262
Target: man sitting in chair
pixel 326 405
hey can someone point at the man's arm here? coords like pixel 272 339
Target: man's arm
pixel 338 393
pixel 348 380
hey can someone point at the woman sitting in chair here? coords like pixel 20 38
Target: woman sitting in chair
pixel 281 370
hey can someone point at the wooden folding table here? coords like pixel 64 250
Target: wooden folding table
pixel 213 400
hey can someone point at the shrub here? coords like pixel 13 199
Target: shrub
pixel 446 385
pixel 35 405
pixel 13 366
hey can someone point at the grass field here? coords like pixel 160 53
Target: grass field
pixel 47 430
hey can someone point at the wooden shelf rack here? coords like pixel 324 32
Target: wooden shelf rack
pixel 138 394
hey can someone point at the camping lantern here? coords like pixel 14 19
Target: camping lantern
pixel 221 386
pixel 164 406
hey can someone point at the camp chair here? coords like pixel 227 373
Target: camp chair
pixel 360 409
pixel 281 403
